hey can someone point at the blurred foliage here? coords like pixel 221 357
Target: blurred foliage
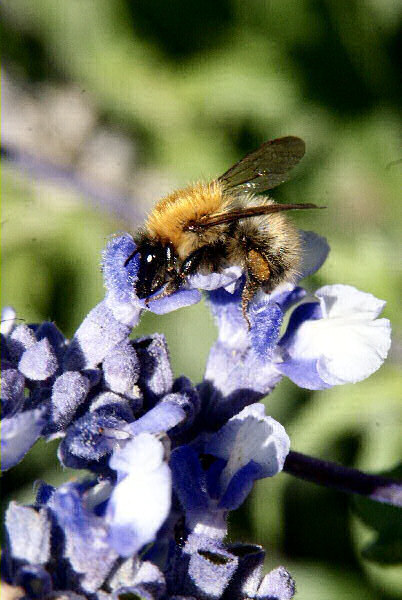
pixel 192 86
pixel 386 547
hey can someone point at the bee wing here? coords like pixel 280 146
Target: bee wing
pixel 245 213
pixel 266 167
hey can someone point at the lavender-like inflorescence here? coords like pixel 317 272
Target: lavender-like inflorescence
pixel 167 460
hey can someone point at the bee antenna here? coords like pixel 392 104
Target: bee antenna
pixel 130 257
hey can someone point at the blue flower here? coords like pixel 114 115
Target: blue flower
pixel 167 460
pixel 249 446
pixel 140 502
pixel 18 435
pixel 120 283
pixel 336 340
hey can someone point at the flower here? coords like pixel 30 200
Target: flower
pixel 140 502
pixel 249 446
pixel 336 340
pixel 167 460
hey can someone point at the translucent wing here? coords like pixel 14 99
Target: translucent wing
pixel 266 167
pixel 244 213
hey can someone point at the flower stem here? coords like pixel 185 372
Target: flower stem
pixel 375 487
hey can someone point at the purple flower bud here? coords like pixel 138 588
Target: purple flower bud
pixel 12 391
pixel 109 403
pixel 22 338
pixel 247 577
pixel 69 391
pixel 56 339
pixel 90 440
pixel 135 572
pixel 277 585
pixel 39 361
pixel 29 533
pixel 156 378
pixel 94 339
pixel 8 320
pixel 210 569
pixel 121 369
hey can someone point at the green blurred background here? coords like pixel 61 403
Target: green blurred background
pixel 134 98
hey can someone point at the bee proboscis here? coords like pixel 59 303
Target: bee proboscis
pixel 207 227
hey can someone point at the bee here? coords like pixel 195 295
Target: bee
pixel 209 226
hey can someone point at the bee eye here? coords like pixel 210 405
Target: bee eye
pixel 151 273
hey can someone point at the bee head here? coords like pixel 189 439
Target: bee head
pixel 152 270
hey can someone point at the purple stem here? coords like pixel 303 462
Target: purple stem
pixel 107 200
pixel 375 487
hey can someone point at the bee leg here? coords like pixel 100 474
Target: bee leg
pixel 170 288
pixel 257 274
pixel 189 266
pixel 193 261
pixel 250 288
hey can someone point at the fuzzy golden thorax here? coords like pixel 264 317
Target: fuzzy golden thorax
pixel 168 220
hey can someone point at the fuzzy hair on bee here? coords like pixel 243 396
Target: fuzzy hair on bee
pixel 206 227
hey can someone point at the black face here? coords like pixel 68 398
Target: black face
pixel 152 271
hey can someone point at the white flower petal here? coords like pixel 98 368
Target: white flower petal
pixel 346 301
pixel 140 502
pixel 8 318
pixel 357 350
pixel 349 343
pixel 250 436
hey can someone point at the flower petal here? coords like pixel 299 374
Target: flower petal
pixel 189 479
pixel 248 437
pixel 213 281
pixel 179 299
pixel 86 544
pixel 140 502
pixel 8 319
pixel 266 320
pixel 18 435
pixel 315 250
pixel 164 416
pixel 346 345
pixel 120 279
pixel 226 309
